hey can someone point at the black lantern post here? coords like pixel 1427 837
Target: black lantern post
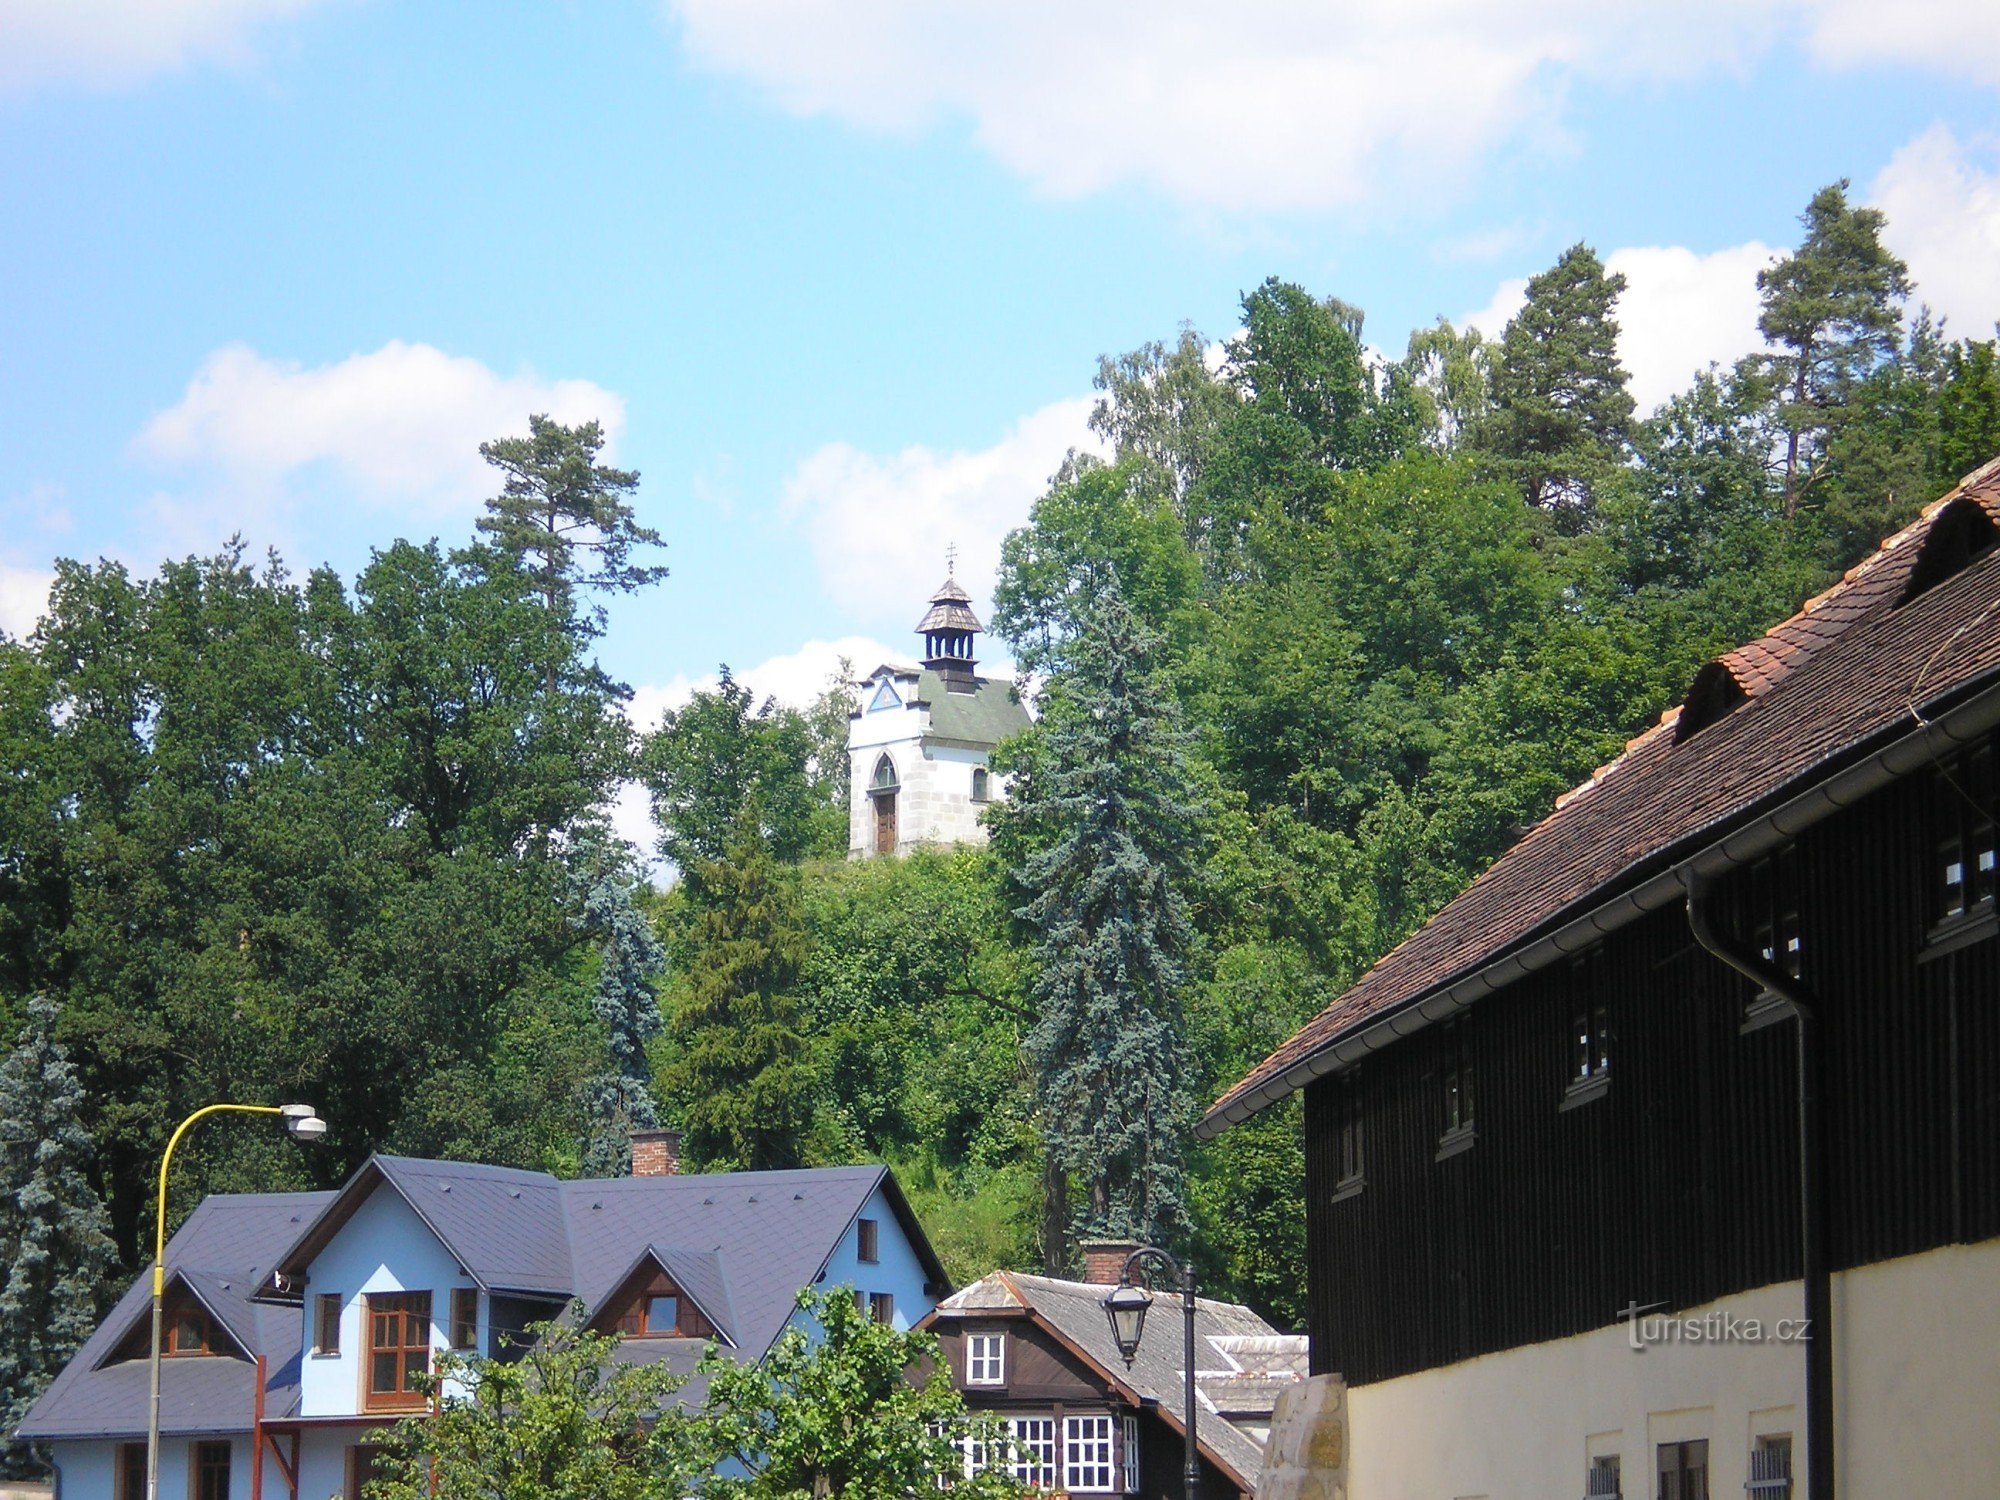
pixel 1126 1306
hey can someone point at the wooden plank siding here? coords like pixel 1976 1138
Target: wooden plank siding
pixel 1679 1184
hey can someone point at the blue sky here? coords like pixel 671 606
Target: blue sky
pixel 836 276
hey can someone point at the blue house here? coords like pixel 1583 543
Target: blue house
pixel 299 1323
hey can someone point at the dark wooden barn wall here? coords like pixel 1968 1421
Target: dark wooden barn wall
pixel 1679 1184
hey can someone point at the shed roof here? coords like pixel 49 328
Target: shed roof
pixel 1900 636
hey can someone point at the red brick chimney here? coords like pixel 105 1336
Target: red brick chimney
pixel 1104 1260
pixel 656 1153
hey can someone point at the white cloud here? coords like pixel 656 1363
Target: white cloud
pixel 874 519
pixel 24 595
pixel 1271 104
pixel 795 679
pixel 1680 311
pixel 107 42
pixel 1942 198
pixel 398 428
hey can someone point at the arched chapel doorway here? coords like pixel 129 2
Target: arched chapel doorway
pixel 882 789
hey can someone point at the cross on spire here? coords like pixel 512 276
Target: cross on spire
pixel 951 560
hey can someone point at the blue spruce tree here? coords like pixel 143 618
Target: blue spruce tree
pixel 1098 831
pixel 55 1242
pixel 619 1101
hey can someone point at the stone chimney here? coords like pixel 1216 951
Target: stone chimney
pixel 656 1153
pixel 1104 1260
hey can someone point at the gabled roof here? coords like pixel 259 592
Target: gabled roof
pixel 989 714
pixel 221 1254
pixel 697 1273
pixel 1897 642
pixel 1073 1312
pixel 741 1244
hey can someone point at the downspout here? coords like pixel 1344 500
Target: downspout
pixel 1817 1279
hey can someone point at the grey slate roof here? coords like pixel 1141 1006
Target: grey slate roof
pixel 741 1244
pixel 984 717
pixel 221 1254
pixel 1075 1309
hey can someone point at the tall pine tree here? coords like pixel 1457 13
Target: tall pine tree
pixel 55 1241
pixel 1833 308
pixel 1561 416
pixel 620 1101
pixel 742 1078
pixel 1103 824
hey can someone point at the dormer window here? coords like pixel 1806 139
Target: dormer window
pixel 654 1308
pixel 986 1359
pixel 190 1331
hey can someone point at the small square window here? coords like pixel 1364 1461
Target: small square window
pixel 663 1314
pixel 326 1323
pixel 1771 1467
pixel 868 1241
pixel 882 1307
pixel 986 1359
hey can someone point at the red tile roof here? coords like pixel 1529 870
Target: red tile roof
pixel 1853 664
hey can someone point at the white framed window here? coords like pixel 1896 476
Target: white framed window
pixel 1087 1454
pixel 986 1359
pixel 1034 1460
pixel 1129 1434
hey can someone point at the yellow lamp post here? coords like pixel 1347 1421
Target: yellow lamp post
pixel 302 1123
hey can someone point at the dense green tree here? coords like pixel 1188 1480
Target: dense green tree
pixel 565 517
pixel 1450 374
pixel 723 753
pixel 1968 409
pixel 1162 410
pixel 843 1408
pixel 56 1256
pixel 742 1079
pixel 1100 831
pixel 630 958
pixel 1561 413
pixel 1832 308
pixel 558 1418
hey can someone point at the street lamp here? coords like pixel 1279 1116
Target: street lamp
pixel 302 1123
pixel 1126 1306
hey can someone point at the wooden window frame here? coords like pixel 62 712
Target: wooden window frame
pixel 200 1456
pixel 1349 1140
pixel 982 1350
pixel 128 1479
pixel 868 1241
pixel 1689 1470
pixel 1037 1455
pixel 187 1312
pixel 1456 1095
pixel 882 1308
pixel 464 1325
pixel 361 1460
pixel 411 1310
pixel 635 1321
pixel 327 1309
pixel 1964 840
pixel 1590 1033
pixel 1072 1466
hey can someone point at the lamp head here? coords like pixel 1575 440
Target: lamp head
pixel 1126 1308
pixel 303 1123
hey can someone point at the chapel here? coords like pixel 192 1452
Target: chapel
pixel 920 744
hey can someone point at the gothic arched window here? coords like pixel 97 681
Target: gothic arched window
pixel 882 792
pixel 884 779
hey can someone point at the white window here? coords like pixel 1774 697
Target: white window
pixel 1130 1434
pixel 1034 1461
pixel 986 1359
pixel 1087 1458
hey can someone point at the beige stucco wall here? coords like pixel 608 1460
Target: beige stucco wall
pixel 1917 1393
